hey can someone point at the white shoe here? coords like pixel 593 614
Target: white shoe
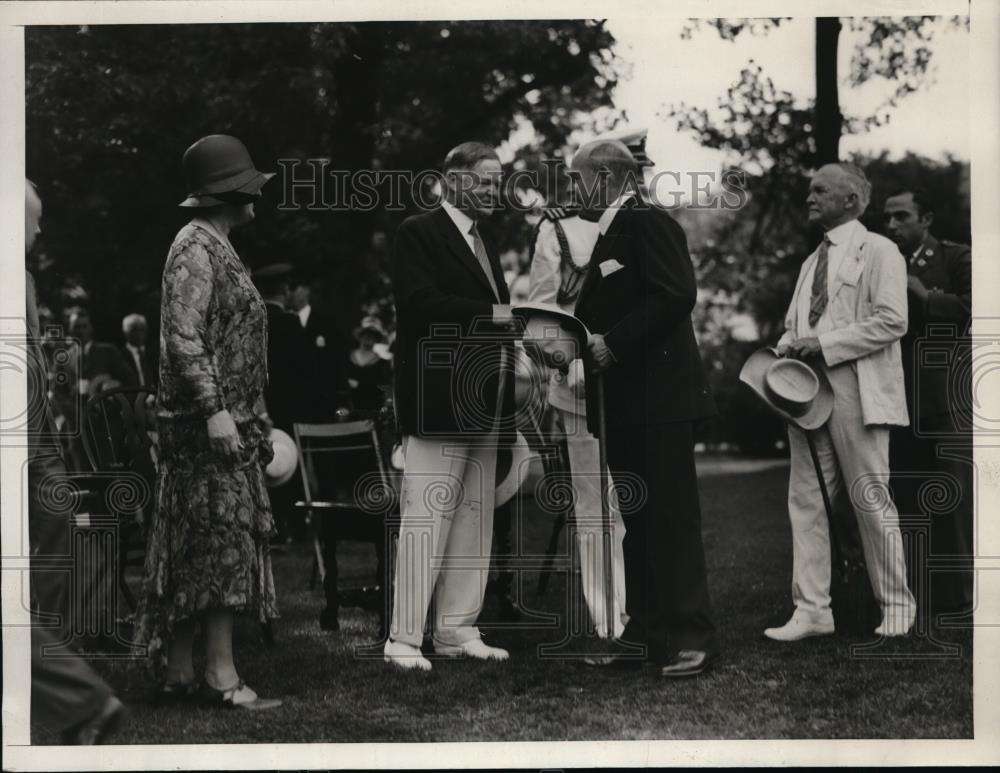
pixel 889 630
pixel 474 648
pixel 796 629
pixel 405 656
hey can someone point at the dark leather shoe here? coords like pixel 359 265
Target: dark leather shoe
pixel 687 663
pixel 328 620
pixel 100 727
pixel 174 692
pixel 619 655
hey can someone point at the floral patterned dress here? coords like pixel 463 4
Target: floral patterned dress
pixel 209 538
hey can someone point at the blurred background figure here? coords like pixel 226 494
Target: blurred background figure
pixel 369 366
pixel 325 353
pixel 69 702
pixel 286 392
pixel 137 356
pixel 91 367
pixel 208 554
pixel 939 400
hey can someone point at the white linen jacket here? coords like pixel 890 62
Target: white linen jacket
pixel 867 307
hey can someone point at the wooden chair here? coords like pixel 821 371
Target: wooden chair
pixel 349 493
pixel 118 431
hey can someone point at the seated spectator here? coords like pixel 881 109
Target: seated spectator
pixel 138 357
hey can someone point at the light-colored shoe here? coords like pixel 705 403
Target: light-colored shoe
pixel 889 629
pixel 796 629
pixel 405 656
pixel 474 648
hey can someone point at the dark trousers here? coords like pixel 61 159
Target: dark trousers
pixel 365 528
pixel 914 462
pixel 665 580
pixel 65 691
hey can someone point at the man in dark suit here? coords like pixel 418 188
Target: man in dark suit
pixel 102 365
pixel 138 357
pixel 97 366
pixel 453 384
pixel 68 699
pixel 325 350
pixel 636 300
pixel 285 393
pixel 939 399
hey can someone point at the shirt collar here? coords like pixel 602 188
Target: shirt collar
pixel 842 232
pixel 133 347
pixel 461 220
pixel 304 314
pixel 609 214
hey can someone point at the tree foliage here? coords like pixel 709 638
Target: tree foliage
pixel 747 261
pixel 110 110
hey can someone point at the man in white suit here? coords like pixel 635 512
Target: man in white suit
pixel 847 316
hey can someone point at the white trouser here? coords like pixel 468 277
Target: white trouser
pixel 584 461
pixel 857 457
pixel 445 538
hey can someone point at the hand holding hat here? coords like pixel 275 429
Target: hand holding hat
pixel 802 348
pixel 797 392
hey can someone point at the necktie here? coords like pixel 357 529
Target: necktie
pixel 139 355
pixel 817 304
pixel 484 259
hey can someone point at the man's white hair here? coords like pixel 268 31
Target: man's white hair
pixel 858 183
pixel 131 321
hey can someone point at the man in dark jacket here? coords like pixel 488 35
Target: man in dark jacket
pixel 454 399
pixel 285 394
pixel 636 300
pixel 937 365
pixel 67 698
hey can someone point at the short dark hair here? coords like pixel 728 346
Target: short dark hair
pixel 921 197
pixel 467 155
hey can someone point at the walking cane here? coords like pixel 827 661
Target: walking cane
pixel 606 526
pixel 837 551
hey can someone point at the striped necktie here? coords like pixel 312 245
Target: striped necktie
pixel 817 304
pixel 484 259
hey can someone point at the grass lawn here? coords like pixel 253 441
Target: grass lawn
pixel 760 689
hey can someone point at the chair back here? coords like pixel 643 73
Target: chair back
pixel 116 430
pixel 344 464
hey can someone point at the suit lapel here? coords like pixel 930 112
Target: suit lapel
pixel 606 245
pixel 460 249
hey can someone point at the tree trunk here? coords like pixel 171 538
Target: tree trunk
pixel 827 118
pixel 352 140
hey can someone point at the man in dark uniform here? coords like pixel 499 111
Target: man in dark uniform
pixel 284 394
pixel 636 300
pixel 939 440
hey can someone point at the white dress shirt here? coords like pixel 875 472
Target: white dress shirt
pixel 609 214
pixel 462 221
pixel 839 238
pixel 501 313
pixel 304 314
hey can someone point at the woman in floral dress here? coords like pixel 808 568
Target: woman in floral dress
pixel 207 555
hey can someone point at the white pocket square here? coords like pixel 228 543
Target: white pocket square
pixel 610 266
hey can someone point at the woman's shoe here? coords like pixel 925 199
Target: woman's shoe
pixel 172 692
pixel 239 696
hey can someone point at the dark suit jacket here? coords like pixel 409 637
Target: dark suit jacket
pixel 447 352
pixel 644 312
pixel 325 385
pixel 939 325
pixel 284 394
pixel 104 358
pixel 150 369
